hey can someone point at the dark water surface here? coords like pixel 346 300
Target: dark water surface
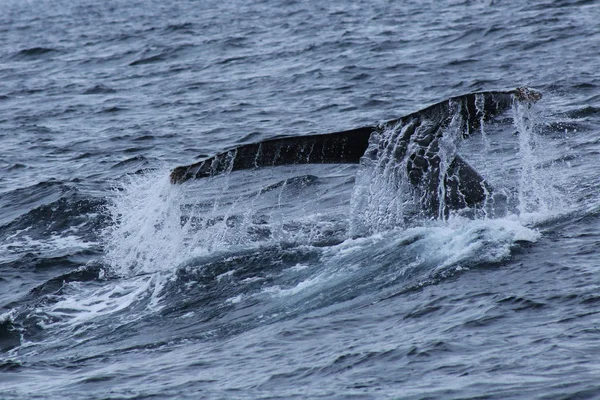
pixel 116 284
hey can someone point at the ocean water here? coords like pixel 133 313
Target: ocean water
pixel 294 281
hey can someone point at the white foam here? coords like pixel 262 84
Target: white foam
pixel 278 291
pixel 235 300
pixel 52 246
pixel 477 241
pixel 457 243
pixel 80 305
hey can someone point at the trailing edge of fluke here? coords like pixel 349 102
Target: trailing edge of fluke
pixel 463 185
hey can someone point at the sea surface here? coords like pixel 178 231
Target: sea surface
pixel 292 282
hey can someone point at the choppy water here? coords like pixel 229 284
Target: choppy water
pixel 266 284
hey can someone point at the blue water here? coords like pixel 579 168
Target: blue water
pixel 258 284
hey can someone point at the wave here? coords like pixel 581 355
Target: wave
pixel 34 52
pixel 9 335
pixel 151 56
pixel 50 208
pixel 228 292
pixel 100 89
pixel 20 201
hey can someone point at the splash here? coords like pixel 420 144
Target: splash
pixel 406 172
pixel 538 194
pixel 146 234
pixel 158 226
pixel 387 193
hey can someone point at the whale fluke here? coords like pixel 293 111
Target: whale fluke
pixel 345 147
pixel 416 144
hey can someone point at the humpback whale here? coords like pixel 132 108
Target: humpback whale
pixel 416 145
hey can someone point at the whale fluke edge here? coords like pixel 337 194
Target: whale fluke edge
pixel 464 187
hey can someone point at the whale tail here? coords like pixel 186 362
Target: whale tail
pixel 416 145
